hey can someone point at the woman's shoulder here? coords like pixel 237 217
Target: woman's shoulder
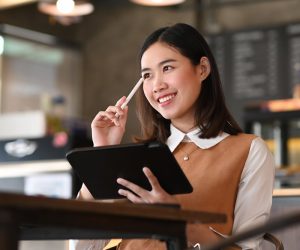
pixel 258 147
pixel 255 140
pixel 256 143
pixel 243 137
pixel 260 158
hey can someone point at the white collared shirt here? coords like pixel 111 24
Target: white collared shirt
pixel 254 199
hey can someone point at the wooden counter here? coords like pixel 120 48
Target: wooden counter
pixel 39 218
pixel 282 192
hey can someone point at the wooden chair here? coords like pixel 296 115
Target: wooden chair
pixel 275 241
pixel 268 237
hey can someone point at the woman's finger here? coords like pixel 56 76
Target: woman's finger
pixel 109 115
pixel 130 196
pixel 157 194
pixel 151 178
pixel 120 101
pixel 115 110
pixel 117 113
pixel 103 115
pixel 133 187
pixel 103 124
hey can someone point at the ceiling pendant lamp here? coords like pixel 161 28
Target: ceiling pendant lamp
pixel 65 11
pixel 158 2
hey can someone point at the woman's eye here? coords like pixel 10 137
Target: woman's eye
pixel 146 75
pixel 167 67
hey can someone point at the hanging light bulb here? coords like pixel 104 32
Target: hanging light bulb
pixel 65 6
pixel 66 12
pixel 158 2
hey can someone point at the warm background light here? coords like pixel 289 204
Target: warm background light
pixel 65 6
pixel 1 45
pixel 158 2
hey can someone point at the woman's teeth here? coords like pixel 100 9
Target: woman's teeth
pixel 166 98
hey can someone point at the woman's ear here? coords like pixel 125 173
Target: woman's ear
pixel 204 68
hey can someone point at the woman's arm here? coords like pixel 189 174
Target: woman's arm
pixel 254 199
pixel 108 128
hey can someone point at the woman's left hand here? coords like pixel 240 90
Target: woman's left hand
pixel 140 195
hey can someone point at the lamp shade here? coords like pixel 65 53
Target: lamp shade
pixel 158 2
pixel 78 9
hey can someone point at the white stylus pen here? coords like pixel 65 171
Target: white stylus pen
pixel 132 92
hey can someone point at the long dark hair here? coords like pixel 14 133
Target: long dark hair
pixel 212 115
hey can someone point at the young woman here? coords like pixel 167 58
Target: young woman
pixel 182 104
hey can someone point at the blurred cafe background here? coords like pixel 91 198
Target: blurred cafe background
pixel 63 61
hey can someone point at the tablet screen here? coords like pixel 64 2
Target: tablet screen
pixel 99 167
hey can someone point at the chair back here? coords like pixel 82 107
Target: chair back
pixel 275 241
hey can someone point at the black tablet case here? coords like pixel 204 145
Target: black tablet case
pixel 99 168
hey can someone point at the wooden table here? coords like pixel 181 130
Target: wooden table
pixel 40 218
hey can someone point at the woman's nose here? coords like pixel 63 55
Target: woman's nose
pixel 159 85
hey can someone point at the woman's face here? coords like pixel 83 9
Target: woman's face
pixel 172 84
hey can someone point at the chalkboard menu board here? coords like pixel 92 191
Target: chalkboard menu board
pixel 223 2
pixel 257 64
pixel 293 53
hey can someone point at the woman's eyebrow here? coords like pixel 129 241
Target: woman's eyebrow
pixel 160 64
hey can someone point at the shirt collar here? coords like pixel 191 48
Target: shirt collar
pixel 177 137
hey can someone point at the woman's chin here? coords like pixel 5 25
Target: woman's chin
pixel 167 116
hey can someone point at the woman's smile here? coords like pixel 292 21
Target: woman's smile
pixel 166 99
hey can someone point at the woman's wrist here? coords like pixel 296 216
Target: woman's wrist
pixel 84 194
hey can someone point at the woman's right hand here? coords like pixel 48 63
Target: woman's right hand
pixel 108 127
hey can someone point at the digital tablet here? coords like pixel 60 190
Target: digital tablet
pixel 99 167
